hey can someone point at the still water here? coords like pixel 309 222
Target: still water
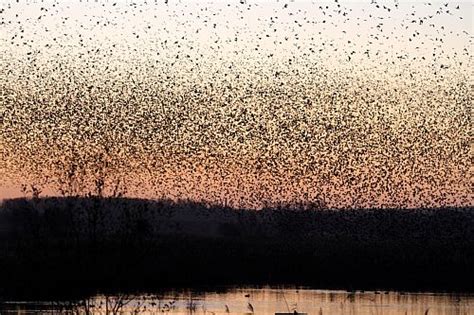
pixel 257 301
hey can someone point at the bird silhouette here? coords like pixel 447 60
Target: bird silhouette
pixel 336 104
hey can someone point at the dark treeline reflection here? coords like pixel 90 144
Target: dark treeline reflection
pixel 62 246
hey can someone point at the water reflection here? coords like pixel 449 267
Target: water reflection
pixel 257 301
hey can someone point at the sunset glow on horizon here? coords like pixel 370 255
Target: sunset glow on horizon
pixel 244 103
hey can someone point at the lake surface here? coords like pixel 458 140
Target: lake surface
pixel 258 301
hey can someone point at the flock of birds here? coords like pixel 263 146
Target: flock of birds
pixel 245 103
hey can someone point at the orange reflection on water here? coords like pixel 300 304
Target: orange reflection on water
pixel 266 301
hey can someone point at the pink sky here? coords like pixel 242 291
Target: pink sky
pixel 244 104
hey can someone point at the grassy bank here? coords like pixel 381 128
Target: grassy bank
pixel 60 246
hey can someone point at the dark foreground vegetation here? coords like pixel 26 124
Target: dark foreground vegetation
pixel 67 246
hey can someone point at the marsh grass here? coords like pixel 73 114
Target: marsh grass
pixel 69 245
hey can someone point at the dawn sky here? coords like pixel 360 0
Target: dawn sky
pixel 247 103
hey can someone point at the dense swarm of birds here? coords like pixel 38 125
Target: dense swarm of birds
pixel 244 103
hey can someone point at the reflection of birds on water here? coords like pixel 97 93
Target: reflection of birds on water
pixel 350 296
pixel 250 307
